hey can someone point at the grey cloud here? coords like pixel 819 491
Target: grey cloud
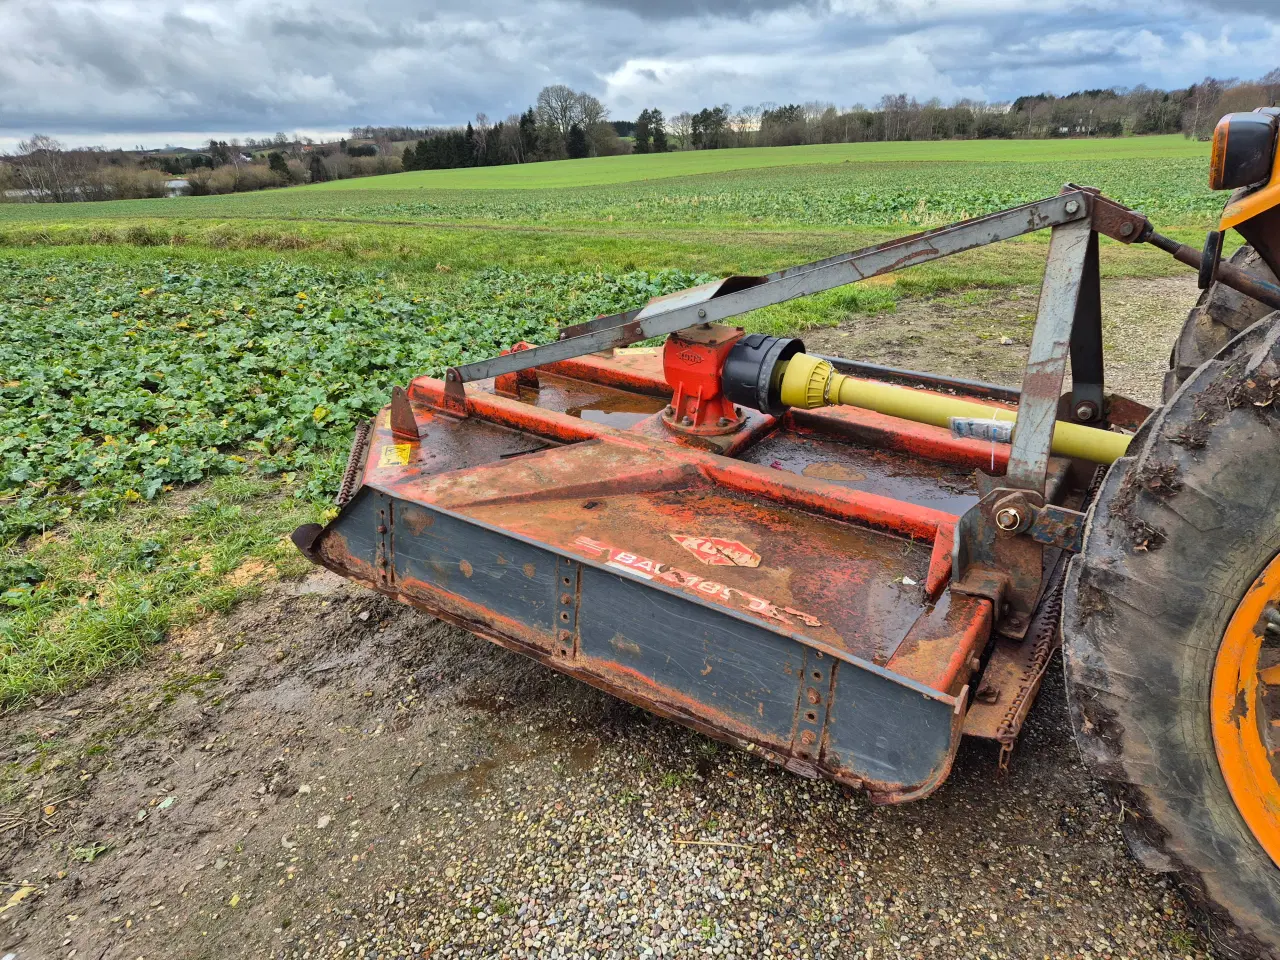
pixel 687 9
pixel 1267 9
pixel 256 65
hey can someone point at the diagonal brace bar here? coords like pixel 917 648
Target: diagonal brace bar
pixel 789 284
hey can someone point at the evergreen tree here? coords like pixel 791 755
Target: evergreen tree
pixel 409 159
pixel 576 143
pixel 276 162
pixel 529 135
pixel 642 132
pixel 425 154
pixel 318 172
pixel 468 147
pixel 657 123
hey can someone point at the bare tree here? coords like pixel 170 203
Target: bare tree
pixel 509 143
pixel 480 135
pixel 682 126
pixel 1271 81
pixel 45 170
pixel 559 108
pixel 894 107
pixel 593 117
pixel 746 122
pixel 590 110
pixel 1201 101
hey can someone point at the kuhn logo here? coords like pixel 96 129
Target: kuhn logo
pixel 690 356
pixel 718 552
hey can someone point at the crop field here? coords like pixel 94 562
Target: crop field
pixel 124 383
pixel 180 378
pixel 854 192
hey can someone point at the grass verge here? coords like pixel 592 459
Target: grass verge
pixel 92 595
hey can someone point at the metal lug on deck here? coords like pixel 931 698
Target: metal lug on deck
pixel 403 423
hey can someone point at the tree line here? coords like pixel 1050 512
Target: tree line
pixel 564 123
pixel 44 170
pixel 568 124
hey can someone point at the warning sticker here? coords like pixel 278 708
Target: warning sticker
pixel 395 455
pixel 718 552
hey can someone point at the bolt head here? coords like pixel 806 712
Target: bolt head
pixel 701 312
pixel 1086 411
pixel 1072 206
pixel 1126 229
pixel 1008 518
pixel 670 410
pixel 686 421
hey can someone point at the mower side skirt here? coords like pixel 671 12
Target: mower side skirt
pixel 812 707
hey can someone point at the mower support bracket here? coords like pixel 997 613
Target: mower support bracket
pixel 734 296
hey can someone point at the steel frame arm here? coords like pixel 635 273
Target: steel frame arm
pixel 688 309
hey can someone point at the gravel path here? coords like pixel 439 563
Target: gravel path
pixel 350 778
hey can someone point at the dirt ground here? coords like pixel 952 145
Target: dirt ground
pixel 985 334
pixel 325 773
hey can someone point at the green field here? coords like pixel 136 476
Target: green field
pixel 179 379
pixel 581 173
pixel 832 185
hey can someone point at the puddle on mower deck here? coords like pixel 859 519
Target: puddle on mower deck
pixel 591 401
pixel 926 483
pixel 620 421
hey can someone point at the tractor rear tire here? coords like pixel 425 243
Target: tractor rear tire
pixel 1179 539
pixel 1218 316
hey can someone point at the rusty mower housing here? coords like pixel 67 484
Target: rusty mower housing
pixel 842 567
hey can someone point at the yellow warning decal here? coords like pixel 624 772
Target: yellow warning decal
pixel 395 455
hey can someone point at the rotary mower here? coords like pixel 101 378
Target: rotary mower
pixel 847 568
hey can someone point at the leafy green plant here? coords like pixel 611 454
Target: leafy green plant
pixel 90 853
pixel 123 380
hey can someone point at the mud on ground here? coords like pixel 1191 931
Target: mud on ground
pixel 327 773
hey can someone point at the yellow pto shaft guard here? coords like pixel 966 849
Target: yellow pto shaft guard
pixel 809 382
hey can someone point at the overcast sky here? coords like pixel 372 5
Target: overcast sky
pixel 124 72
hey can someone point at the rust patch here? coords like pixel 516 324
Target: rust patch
pixel 417 519
pixel 529 570
pixel 623 645
pixel 833 471
pixel 1239 709
pixel 465 567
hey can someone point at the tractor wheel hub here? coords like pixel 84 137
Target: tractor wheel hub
pixel 1245 708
